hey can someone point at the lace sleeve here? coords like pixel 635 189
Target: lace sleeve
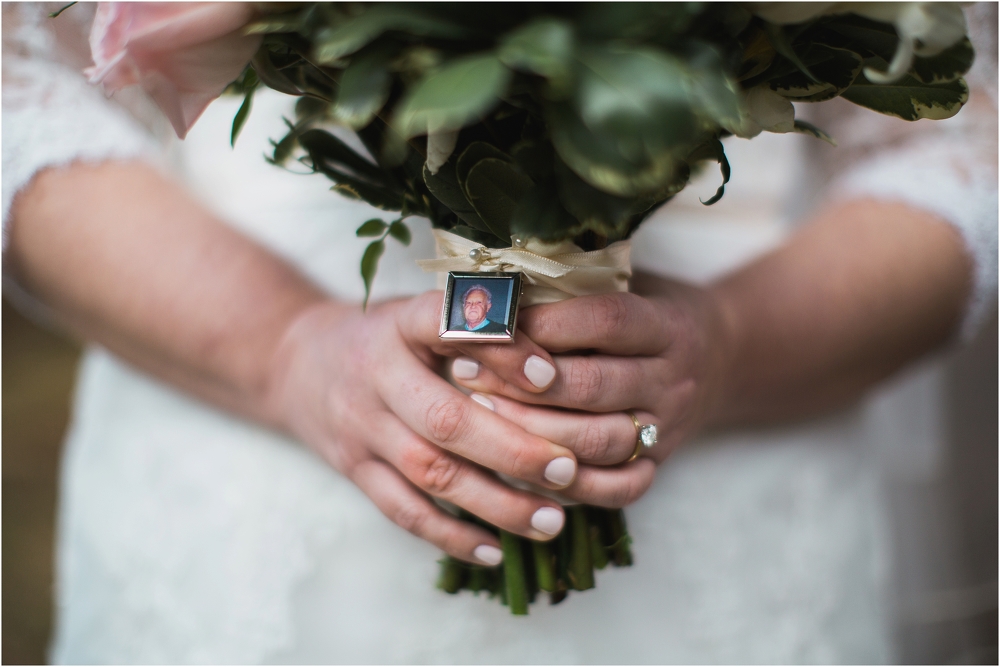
pixel 946 167
pixel 51 115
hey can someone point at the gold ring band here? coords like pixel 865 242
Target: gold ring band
pixel 638 437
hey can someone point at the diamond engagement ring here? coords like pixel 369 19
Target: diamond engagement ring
pixel 645 436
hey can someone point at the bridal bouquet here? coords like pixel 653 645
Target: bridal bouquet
pixel 533 126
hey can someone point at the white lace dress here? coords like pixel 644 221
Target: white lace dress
pixel 189 536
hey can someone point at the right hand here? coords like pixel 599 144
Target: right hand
pixel 364 392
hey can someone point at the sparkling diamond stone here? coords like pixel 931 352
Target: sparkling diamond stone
pixel 648 434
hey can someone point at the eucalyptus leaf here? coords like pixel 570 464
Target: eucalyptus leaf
pixel 543 47
pixel 373 227
pixel 445 187
pixel 350 36
pixel 473 153
pixel 458 93
pixel 540 214
pixel 364 87
pixel 494 187
pixel 369 266
pixel 399 231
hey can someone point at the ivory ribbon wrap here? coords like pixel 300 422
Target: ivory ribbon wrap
pixel 551 271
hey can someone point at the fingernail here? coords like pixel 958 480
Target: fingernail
pixel 547 520
pixel 488 404
pixel 488 554
pixel 539 372
pixel 465 368
pixel 561 470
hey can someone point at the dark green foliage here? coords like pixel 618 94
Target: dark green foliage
pixel 573 120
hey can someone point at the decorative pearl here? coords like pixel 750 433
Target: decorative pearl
pixel 476 254
pixel 518 241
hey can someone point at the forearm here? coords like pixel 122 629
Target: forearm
pixel 126 258
pixel 857 293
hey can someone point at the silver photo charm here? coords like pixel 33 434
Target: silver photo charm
pixel 480 307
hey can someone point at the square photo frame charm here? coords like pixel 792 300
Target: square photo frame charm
pixel 480 307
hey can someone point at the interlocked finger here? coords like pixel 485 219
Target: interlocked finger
pixel 412 511
pixel 596 439
pixel 593 383
pixel 617 486
pixel 441 414
pixel 443 475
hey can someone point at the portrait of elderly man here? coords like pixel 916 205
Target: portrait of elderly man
pixel 476 304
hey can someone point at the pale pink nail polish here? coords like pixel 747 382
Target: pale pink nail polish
pixel 561 470
pixel 464 368
pixel 547 520
pixel 488 554
pixel 486 403
pixel 539 372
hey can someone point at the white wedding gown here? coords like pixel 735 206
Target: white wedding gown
pixel 190 536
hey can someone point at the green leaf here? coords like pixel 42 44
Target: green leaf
pixel 597 158
pixel 241 117
pixel 544 47
pixel 364 87
pixel 540 214
pixel 473 153
pixel 353 188
pixel 461 91
pixel 592 209
pixel 494 188
pixel 327 151
pixel 59 11
pixel 399 231
pixel 373 227
pixel 369 266
pixel 349 37
pixel 270 75
pixel 802 127
pixel 946 66
pixel 782 42
pixel 445 187
pixel 535 158
pixel 713 150
pixel 286 22
pixel 833 69
pixel 909 98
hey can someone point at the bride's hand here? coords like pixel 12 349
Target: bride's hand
pixel 363 391
pixel 660 356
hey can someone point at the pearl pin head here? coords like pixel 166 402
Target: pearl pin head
pixel 476 254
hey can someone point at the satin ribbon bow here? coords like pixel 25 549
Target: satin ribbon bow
pixel 552 271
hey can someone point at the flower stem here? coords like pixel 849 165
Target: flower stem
pixel 581 567
pixel 545 570
pixel 513 567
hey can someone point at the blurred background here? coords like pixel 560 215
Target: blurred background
pixel 38 371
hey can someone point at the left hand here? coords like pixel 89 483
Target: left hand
pixel 661 353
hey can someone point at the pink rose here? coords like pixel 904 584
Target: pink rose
pixel 183 54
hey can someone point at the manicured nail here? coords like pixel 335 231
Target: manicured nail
pixel 547 520
pixel 561 470
pixel 465 368
pixel 488 404
pixel 539 372
pixel 488 554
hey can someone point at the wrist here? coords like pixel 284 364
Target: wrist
pixel 293 354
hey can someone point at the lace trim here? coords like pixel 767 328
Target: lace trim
pixel 52 117
pixel 964 195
